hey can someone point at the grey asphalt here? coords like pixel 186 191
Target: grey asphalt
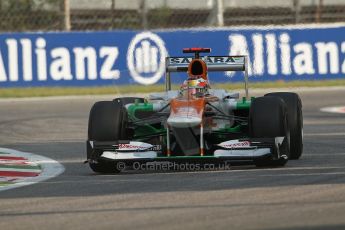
pixel 306 194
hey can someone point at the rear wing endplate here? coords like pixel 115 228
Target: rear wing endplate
pixel 214 63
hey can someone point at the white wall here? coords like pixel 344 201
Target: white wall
pixel 191 4
pixel 135 4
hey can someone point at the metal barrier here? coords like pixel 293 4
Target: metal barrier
pixel 53 15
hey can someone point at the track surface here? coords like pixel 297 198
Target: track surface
pixel 309 193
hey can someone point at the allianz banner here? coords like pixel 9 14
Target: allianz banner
pixel 136 57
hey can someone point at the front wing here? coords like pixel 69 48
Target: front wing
pixel 233 150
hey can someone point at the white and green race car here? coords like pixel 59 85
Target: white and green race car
pixel 196 123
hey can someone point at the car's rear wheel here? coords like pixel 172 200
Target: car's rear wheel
pixel 268 119
pixel 295 121
pixel 107 122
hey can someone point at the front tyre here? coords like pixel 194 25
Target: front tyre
pixel 268 119
pixel 295 121
pixel 107 122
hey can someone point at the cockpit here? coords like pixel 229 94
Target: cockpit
pixel 194 87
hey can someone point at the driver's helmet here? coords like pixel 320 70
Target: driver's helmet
pixel 195 86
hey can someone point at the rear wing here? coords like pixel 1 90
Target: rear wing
pixel 214 63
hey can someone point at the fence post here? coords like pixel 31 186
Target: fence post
pixel 220 13
pixel 297 8
pixel 112 14
pixel 143 8
pixel 216 17
pixel 67 14
pixel 319 11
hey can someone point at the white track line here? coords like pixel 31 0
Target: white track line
pixel 50 168
pixel 324 154
pixel 334 109
pixel 323 134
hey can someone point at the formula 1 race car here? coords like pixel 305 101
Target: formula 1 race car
pixel 196 123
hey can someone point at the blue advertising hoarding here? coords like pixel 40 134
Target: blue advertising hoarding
pixel 137 57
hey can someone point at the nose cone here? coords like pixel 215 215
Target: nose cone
pixel 183 120
pixel 186 113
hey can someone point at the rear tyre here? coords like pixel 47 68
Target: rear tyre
pixel 107 122
pixel 268 119
pixel 295 121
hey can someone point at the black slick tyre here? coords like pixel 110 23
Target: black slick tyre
pixel 295 121
pixel 268 119
pixel 107 122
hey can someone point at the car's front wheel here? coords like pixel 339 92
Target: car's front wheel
pixel 107 122
pixel 295 120
pixel 268 119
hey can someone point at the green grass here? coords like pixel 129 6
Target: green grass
pixel 66 91
pixel 4 183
